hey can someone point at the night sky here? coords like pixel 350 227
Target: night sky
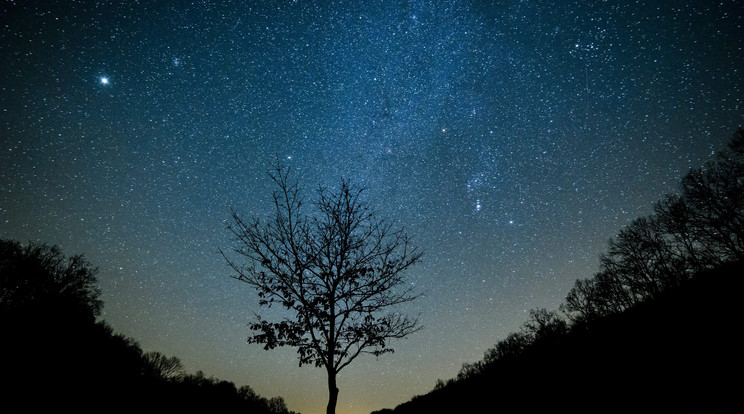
pixel 511 138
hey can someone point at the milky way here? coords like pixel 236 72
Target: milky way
pixel 512 139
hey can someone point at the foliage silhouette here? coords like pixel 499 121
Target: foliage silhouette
pixel 338 271
pixel 699 229
pixel 161 366
pixel 653 331
pixel 38 274
pixel 662 356
pixel 57 356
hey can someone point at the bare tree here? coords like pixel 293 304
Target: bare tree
pixel 715 196
pixel 338 269
pixel 161 366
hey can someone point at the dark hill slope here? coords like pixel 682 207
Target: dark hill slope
pixel 681 352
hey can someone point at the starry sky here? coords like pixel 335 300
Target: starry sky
pixel 511 138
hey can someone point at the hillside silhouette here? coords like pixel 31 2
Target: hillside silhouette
pixel 656 330
pixel 676 354
pixel 57 356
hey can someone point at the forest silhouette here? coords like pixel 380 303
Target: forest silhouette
pixel 656 329
pixel 58 356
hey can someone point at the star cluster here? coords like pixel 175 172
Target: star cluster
pixel 510 138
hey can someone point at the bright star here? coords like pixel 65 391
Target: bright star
pixel 104 80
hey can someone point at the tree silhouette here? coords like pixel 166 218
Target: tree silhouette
pixel 699 229
pixel 161 366
pixel 48 309
pixel 650 332
pixel 545 326
pixel 36 278
pixel 715 196
pixel 57 356
pixel 337 269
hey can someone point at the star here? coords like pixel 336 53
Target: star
pixel 460 128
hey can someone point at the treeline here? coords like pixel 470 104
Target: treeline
pixel 57 355
pixel 661 313
pixel 699 229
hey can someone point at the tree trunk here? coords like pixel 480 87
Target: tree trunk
pixel 332 393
